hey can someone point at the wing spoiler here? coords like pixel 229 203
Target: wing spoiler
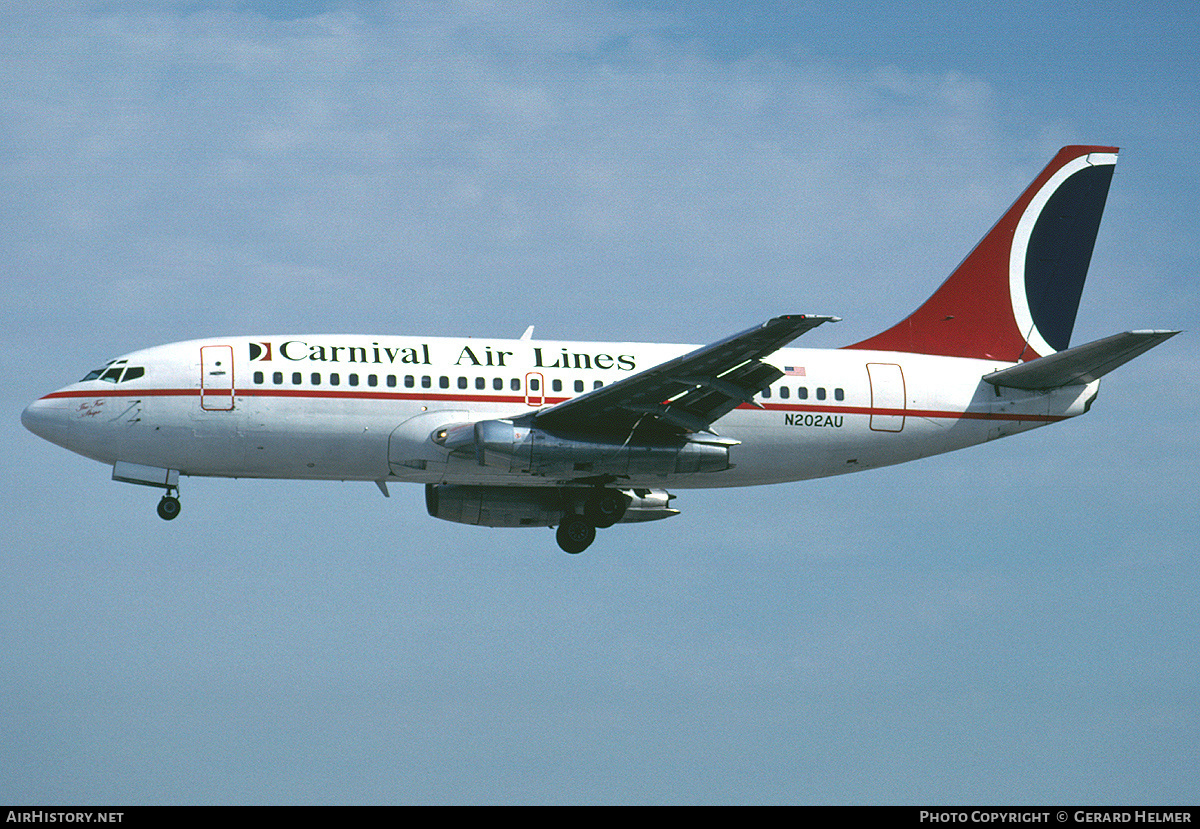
pixel 1079 365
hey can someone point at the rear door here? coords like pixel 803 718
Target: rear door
pixel 887 397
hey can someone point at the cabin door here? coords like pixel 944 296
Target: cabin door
pixel 216 378
pixel 887 397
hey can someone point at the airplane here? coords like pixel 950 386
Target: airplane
pixel 583 435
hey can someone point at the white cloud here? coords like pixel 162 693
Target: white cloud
pixel 470 148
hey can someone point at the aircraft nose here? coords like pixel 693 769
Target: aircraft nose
pixel 46 419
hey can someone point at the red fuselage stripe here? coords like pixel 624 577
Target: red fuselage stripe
pixel 319 394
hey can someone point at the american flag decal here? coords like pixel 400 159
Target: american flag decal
pixel 794 371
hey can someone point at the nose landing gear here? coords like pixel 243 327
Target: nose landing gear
pixel 157 477
pixel 168 507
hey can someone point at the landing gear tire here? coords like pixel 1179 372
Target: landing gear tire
pixel 168 508
pixel 575 534
pixel 605 508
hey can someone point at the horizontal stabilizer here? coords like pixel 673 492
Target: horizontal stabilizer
pixel 1080 365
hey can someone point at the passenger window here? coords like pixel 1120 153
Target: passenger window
pixel 372 380
pixel 802 392
pixel 391 381
pixel 556 385
pixel 462 382
pixel 258 378
pixel 839 394
pixel 297 378
pixel 785 392
pixel 334 379
pixel 766 393
pixel 277 378
pixel 820 394
pixel 534 384
pixel 597 384
pixel 578 385
pixel 498 384
pixel 480 383
pixel 316 379
pixel 353 378
pixel 515 384
pixel 443 382
pixel 426 381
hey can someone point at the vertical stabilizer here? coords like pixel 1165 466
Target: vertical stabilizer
pixel 1015 296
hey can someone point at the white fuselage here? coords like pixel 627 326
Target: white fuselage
pixel 363 408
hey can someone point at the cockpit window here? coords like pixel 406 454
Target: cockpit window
pixel 115 371
pixel 95 373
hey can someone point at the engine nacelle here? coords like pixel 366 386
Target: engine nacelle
pixel 504 446
pixel 500 506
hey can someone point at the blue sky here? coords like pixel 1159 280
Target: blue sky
pixel 1011 624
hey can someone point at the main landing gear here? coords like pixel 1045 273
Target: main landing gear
pixel 168 507
pixel 603 509
pixel 575 533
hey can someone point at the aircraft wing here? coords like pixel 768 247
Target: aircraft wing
pixel 686 394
